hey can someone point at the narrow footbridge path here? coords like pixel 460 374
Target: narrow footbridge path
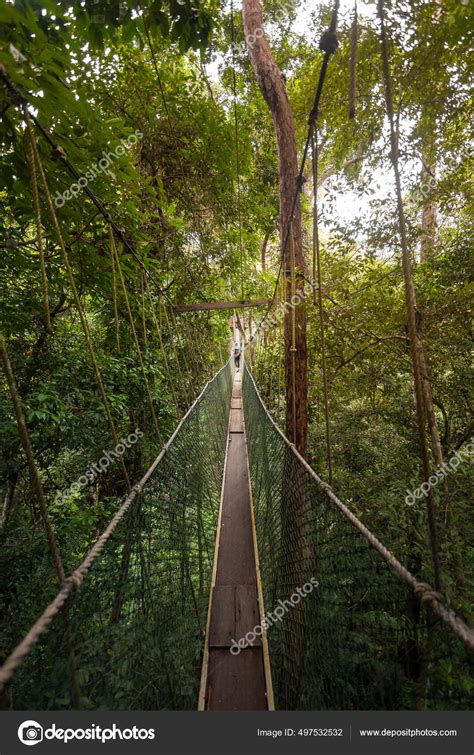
pixel 229 531
pixel 235 678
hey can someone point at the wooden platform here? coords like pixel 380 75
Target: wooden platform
pixel 235 681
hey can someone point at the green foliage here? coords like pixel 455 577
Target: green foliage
pixel 97 73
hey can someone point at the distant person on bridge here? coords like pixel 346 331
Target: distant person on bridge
pixel 236 352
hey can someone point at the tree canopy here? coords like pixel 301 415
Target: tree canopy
pixel 151 103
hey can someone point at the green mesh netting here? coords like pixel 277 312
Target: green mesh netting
pixel 135 629
pixel 360 640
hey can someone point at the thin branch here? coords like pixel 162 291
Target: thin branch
pixel 333 170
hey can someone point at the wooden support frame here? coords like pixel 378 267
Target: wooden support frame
pixel 209 305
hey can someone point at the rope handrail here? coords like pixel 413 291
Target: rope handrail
pixel 423 591
pixel 76 578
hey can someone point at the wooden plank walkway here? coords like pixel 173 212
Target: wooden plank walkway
pixel 235 681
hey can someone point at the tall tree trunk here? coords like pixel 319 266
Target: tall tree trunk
pixel 428 124
pixel 263 253
pixel 416 345
pixel 9 501
pixel 429 210
pixel 272 85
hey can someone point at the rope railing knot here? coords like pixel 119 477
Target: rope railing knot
pixel 329 42
pixel 300 182
pixel 16 98
pixel 325 487
pixel 313 116
pixel 14 94
pixel 58 153
pixel 425 593
pixel 75 579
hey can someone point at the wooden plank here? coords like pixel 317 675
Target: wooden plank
pixel 237 304
pixel 236 421
pixel 236 682
pixel 222 629
pixel 247 615
pixel 234 613
pixel 236 562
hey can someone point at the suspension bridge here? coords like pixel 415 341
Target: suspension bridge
pixel 230 521
pixel 231 577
